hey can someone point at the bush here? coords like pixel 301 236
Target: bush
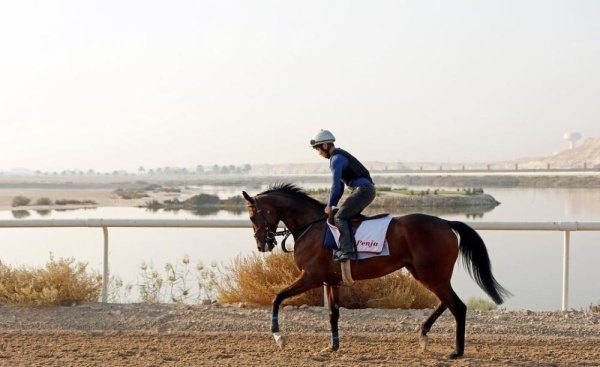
pixel 43 201
pixel 154 205
pixel 61 282
pixel 318 191
pixel 255 280
pixel 204 200
pixel 234 202
pixel 20 201
pixel 128 194
pixel 479 304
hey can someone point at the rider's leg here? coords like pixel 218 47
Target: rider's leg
pixel 358 199
pixel 347 250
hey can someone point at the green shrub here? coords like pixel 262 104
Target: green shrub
pixel 154 205
pixel 479 304
pixel 318 191
pixel 204 200
pixel 129 194
pixel 234 202
pixel 43 201
pixel 20 201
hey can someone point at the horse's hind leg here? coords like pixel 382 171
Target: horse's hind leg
pixel 459 310
pixel 426 326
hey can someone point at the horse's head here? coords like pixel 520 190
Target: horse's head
pixel 264 222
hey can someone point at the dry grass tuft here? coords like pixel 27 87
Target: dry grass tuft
pixel 61 282
pixel 256 279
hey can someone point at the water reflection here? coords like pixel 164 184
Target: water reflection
pixel 82 208
pixel 198 211
pixel 20 214
pixel 473 212
pixel 203 211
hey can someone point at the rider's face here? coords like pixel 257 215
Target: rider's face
pixel 322 149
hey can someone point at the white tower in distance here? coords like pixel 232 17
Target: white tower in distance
pixel 572 138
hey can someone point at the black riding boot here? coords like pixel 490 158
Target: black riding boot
pixel 348 251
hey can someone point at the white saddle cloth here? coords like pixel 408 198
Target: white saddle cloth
pixel 370 237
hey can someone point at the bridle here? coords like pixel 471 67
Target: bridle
pixel 269 236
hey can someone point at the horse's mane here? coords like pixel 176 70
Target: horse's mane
pixel 289 189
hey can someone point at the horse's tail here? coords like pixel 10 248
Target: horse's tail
pixel 477 261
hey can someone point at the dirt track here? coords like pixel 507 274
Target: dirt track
pixel 214 335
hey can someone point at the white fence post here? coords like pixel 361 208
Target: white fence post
pixel 565 290
pixel 105 266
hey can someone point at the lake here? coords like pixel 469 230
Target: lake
pixel 528 263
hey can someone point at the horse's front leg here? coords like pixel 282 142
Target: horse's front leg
pixel 333 296
pixel 302 284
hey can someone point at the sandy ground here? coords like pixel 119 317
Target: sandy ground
pixel 233 335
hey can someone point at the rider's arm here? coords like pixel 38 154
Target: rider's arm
pixel 338 163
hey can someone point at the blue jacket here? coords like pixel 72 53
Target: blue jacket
pixel 345 170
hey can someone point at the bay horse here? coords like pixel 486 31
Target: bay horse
pixel 427 246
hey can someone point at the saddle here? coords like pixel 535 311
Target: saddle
pixel 356 220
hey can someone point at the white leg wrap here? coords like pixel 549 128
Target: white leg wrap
pixel 424 342
pixel 279 339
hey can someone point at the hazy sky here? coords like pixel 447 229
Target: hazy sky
pixel 110 85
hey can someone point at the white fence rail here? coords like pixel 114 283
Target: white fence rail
pixel 566 227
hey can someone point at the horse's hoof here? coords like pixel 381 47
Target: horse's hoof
pixel 424 341
pixel 329 350
pixel 280 340
pixel 455 355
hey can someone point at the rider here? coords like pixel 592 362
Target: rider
pixel 346 170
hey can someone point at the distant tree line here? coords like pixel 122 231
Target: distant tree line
pixel 160 171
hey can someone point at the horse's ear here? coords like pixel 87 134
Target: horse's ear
pixel 247 197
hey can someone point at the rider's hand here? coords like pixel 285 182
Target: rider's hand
pixel 327 210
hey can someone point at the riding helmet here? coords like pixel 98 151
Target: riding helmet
pixel 323 136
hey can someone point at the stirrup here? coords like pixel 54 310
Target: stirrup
pixel 340 256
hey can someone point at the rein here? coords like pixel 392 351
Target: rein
pixel 287 232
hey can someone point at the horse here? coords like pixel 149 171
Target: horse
pixel 427 246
